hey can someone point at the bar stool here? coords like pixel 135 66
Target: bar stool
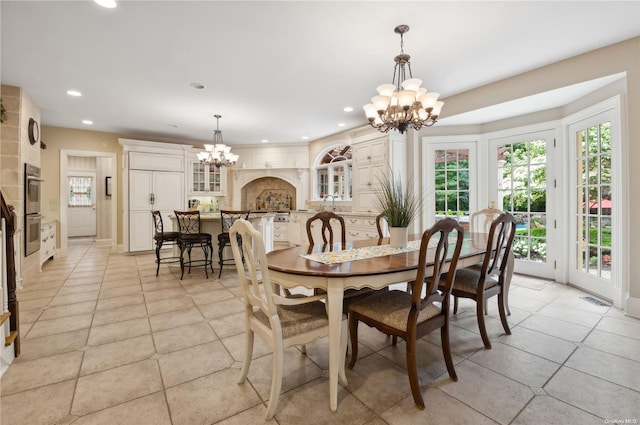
pixel 161 237
pixel 190 235
pixel 227 218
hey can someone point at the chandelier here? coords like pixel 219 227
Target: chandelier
pixel 218 154
pixel 404 103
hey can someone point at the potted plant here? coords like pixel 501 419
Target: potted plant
pixel 400 207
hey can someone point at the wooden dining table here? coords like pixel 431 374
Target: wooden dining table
pixel 289 269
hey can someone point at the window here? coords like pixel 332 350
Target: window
pixel 452 182
pixel 80 191
pixel 333 173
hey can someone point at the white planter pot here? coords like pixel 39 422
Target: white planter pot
pixel 398 236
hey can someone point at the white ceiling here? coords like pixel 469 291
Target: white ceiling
pixel 280 70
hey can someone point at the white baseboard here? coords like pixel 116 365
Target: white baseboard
pixel 103 242
pixel 633 307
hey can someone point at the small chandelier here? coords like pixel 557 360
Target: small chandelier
pixel 218 154
pixel 404 103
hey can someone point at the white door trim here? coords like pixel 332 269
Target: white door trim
pixel 64 195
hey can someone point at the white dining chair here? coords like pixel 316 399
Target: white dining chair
pixel 280 321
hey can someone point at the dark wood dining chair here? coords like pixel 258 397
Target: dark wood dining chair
pixel 480 284
pixel 326 218
pixel 190 235
pixel 381 219
pixel 411 315
pixel 227 218
pixel 163 238
pixel 280 321
pixel 327 231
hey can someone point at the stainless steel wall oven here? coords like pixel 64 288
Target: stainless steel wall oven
pixel 32 217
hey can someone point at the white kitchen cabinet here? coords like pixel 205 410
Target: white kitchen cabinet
pixel 47 241
pixel 206 179
pixel 152 190
pixel 372 161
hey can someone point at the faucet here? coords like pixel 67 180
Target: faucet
pixel 333 201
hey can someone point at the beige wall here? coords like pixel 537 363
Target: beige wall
pixel 57 139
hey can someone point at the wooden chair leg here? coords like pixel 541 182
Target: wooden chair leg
pixel 412 371
pixel 446 351
pixel 248 354
pixel 481 325
pixel 394 340
pixel 455 305
pixel 276 379
pixel 353 332
pixel 503 314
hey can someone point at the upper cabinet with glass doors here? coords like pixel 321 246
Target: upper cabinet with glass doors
pixel 206 179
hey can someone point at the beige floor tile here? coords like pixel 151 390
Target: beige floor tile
pixel 212 296
pixel 42 406
pixel 118 331
pixel 295 406
pixel 440 408
pixel 210 399
pixel 228 325
pixel 62 324
pixel 69 290
pixel 623 326
pixel 125 274
pixel 255 415
pixel 546 346
pixel 114 302
pixel 236 346
pixel 152 278
pixel 38 304
pixel 525 303
pixel 163 294
pixel 488 392
pixel 174 319
pixel 119 314
pixel 594 395
pixel 88 280
pixel 548 410
pixel 378 382
pixel 610 367
pixel 68 310
pixel 555 327
pixel 120 291
pixel 30 316
pixel 298 370
pixel 194 362
pixel 34 348
pixel 516 364
pixel 463 342
pixel 179 302
pixel 107 356
pixel 74 298
pixel 36 294
pixel 157 286
pixel 114 386
pixel 614 344
pixel 579 317
pixel 183 337
pixel 148 410
pixel 40 372
pixel 221 308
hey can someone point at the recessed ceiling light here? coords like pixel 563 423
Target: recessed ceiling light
pixel 75 93
pixel 109 4
pixel 265 141
pixel 305 137
pixel 197 86
pixel 87 122
pixel 348 109
pixel 341 124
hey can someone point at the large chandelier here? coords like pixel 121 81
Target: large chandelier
pixel 218 154
pixel 404 103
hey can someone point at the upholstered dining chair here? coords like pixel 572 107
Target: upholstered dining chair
pixel 163 238
pixel 480 221
pixel 327 231
pixel 489 280
pixel 380 224
pixel 189 236
pixel 280 321
pixel 227 218
pixel 411 315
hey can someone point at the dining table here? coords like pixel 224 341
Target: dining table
pixel 296 267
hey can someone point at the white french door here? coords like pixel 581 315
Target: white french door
pixel 593 204
pixel 521 182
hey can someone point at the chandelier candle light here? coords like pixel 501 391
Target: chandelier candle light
pixel 218 154
pixel 404 103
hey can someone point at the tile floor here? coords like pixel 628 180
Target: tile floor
pixel 105 341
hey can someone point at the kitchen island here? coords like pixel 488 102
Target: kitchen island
pixel 210 223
